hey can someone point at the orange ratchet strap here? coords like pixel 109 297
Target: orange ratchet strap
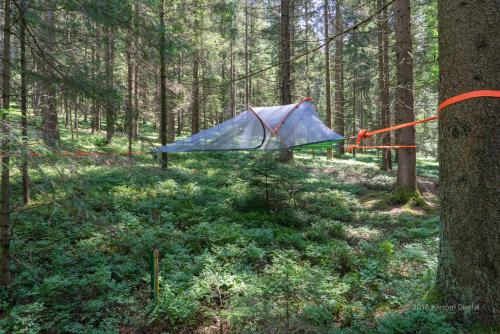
pixel 452 100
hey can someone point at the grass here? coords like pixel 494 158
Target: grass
pixel 322 250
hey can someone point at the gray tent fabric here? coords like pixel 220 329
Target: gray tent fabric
pixel 260 128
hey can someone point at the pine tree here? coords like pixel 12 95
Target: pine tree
pixel 405 112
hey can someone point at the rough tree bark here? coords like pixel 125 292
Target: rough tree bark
pixel 328 103
pixel 5 227
pixel 406 180
pixel 383 82
pixel 469 142
pixel 285 70
pixel 339 76
pixel 163 83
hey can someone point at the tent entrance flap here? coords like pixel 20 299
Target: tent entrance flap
pixel 260 128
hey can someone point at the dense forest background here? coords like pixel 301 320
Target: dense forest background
pixel 247 243
pixel 101 60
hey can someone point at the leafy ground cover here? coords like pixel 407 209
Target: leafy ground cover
pixel 246 245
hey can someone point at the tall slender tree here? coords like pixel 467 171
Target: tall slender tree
pixel 163 82
pixel 406 179
pixel 195 104
pixel 328 103
pixel 469 140
pixel 24 100
pixel 339 75
pixel 5 224
pixel 130 88
pixel 383 82
pixel 48 99
pixel 285 69
pixel 109 61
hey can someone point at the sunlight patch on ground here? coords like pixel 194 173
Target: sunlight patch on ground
pixel 363 232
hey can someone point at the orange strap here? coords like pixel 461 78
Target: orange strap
pixel 385 147
pixel 467 96
pixel 452 100
pixel 81 153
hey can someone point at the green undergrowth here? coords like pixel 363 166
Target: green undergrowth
pixel 247 245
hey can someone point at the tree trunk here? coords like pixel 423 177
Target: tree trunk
pixel 195 108
pixel 469 141
pixel 306 47
pixel 135 120
pixel 233 77
pixel 180 116
pixel 247 79
pixel 328 103
pixel 24 103
pixel 110 117
pixel 75 118
pixel 5 227
pixel 339 76
pixel 285 72
pixel 406 180
pixel 130 87
pixel 383 81
pixel 135 129
pixel 354 105
pixel 48 100
pixel 163 84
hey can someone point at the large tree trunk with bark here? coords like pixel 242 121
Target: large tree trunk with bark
pixel 339 76
pixel 5 227
pixel 469 142
pixel 383 82
pixel 406 180
pixel 328 102
pixel 285 70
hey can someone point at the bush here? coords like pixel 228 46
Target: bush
pixel 415 321
pixel 324 230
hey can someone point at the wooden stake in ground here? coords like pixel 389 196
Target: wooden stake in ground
pixel 469 142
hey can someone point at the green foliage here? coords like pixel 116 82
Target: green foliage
pixel 316 258
pixel 387 248
pixel 415 321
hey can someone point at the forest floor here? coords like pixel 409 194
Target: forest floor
pixel 246 245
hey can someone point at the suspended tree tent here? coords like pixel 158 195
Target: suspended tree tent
pixel 261 128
